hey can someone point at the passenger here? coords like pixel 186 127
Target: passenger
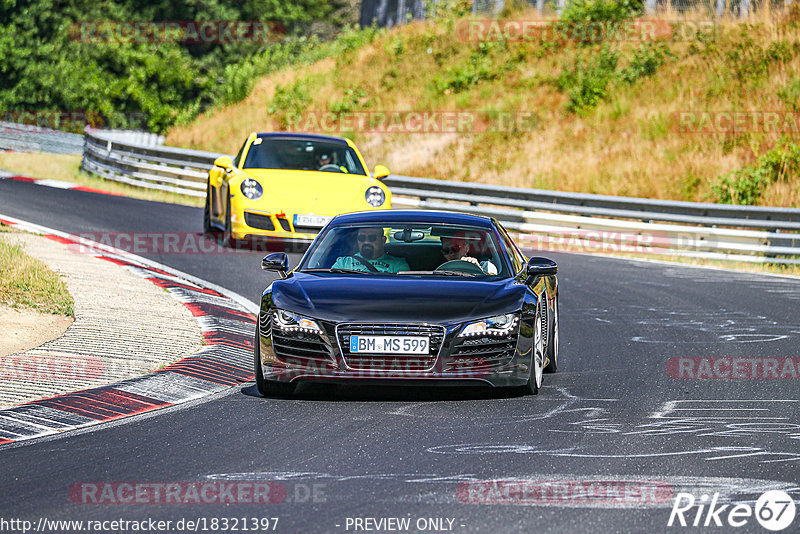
pixel 371 242
pixel 457 247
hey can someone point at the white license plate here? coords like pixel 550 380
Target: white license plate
pixel 317 221
pixel 389 344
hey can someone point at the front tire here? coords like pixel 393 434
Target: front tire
pixel 537 358
pixel 207 228
pixel 268 388
pixel 552 346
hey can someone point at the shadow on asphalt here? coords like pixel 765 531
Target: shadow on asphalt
pixel 346 393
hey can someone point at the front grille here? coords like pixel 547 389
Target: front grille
pixel 262 222
pixel 284 224
pixel 482 353
pixel 391 363
pixel 298 348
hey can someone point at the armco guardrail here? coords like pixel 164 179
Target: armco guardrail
pixel 554 219
pixel 152 167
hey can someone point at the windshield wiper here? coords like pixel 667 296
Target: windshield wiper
pixel 453 273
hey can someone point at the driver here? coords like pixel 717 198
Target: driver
pixel 457 247
pixel 322 160
pixel 371 243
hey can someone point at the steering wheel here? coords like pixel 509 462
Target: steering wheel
pixel 460 266
pixel 330 167
pixel 365 263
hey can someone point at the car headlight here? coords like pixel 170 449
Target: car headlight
pixel 290 321
pixel 252 189
pixel 498 325
pixel 375 196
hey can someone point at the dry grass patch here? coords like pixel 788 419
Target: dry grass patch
pixel 26 282
pixel 627 143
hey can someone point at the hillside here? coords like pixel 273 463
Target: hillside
pixel 623 117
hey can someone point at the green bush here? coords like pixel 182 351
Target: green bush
pixel 351 101
pixel 645 62
pixel 586 82
pixel 602 10
pixel 288 102
pixel 745 186
pixel 790 95
pixel 482 65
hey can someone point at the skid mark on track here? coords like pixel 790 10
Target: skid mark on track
pixel 565 402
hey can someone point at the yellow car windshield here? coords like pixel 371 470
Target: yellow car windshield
pixel 302 155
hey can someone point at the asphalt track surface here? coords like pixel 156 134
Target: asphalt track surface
pixel 610 414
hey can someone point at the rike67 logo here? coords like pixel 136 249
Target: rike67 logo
pixel 774 510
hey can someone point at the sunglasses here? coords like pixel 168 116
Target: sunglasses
pixel 371 238
pixel 452 250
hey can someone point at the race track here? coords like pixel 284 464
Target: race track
pixel 611 414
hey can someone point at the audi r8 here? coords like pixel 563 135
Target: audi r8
pixel 410 297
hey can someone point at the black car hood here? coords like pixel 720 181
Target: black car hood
pixel 357 298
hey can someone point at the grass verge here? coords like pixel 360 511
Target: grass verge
pixel 67 167
pixel 27 283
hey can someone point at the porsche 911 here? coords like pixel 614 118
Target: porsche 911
pixel 288 186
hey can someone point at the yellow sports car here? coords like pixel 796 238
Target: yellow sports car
pixel 289 185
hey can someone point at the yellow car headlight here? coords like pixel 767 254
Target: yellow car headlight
pixel 375 196
pixel 252 189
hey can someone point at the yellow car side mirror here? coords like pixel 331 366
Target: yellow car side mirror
pixel 224 161
pixel 380 172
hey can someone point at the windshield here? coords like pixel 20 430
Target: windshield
pixel 302 155
pixel 407 249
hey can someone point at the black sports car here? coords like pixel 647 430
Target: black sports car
pixel 415 297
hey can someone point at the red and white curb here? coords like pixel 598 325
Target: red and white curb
pixel 58 184
pixel 226 319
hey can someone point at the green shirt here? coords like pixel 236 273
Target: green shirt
pixel 385 264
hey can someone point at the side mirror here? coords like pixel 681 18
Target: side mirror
pixel 277 261
pixel 380 172
pixel 225 162
pixel 538 266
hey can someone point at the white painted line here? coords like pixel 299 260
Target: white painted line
pixel 55 183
